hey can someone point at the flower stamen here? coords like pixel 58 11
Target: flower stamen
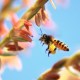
pixel 53 5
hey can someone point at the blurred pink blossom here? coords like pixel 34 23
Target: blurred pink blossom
pixel 44 18
pixel 63 3
pixel 6 2
pixel 13 18
pixel 49 23
pixel 27 3
pixel 13 62
pixel 1 51
pixel 3 29
pixel 26 44
pixel 66 75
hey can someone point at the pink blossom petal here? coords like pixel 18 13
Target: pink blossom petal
pixel 69 76
pixel 6 2
pixel 3 29
pixel 49 24
pixel 1 51
pixel 37 19
pixel 63 3
pixel 27 3
pixel 28 31
pixel 14 18
pixel 24 32
pixel 27 24
pixel 14 48
pixel 26 37
pixel 33 32
pixel 14 62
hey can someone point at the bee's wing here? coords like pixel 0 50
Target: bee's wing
pixel 52 39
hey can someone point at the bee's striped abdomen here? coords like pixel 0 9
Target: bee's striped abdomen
pixel 60 45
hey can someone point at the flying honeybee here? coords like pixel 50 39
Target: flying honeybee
pixel 53 44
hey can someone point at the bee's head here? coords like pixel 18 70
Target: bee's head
pixel 44 36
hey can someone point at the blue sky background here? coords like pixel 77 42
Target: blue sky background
pixel 68 23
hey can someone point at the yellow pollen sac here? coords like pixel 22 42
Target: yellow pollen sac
pixel 52 48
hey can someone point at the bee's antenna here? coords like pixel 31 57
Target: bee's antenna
pixel 41 31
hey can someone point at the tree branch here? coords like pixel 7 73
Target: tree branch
pixel 28 15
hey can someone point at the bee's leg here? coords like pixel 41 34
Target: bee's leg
pixel 49 53
pixel 55 49
pixel 47 49
pixel 43 44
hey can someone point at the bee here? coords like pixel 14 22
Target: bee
pixel 53 44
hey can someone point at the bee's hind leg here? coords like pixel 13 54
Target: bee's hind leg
pixel 49 53
pixel 43 44
pixel 47 49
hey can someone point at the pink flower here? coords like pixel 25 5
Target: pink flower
pixel 66 75
pixel 13 62
pixel 27 3
pixel 20 35
pixel 6 3
pixel 63 3
pixel 27 24
pixel 25 35
pixel 13 47
pixel 13 18
pixel 1 51
pixel 41 16
pixel 3 29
